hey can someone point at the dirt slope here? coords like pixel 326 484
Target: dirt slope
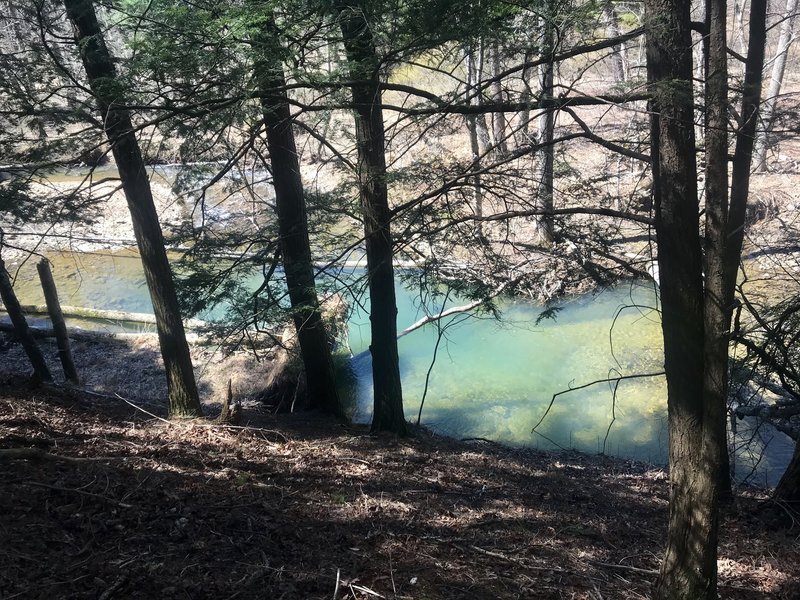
pixel 298 507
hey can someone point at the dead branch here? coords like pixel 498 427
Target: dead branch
pixel 39 454
pixel 81 492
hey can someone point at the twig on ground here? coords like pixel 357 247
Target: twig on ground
pixel 365 590
pixel 76 491
pixel 147 412
pixel 624 568
pixel 497 555
pixel 39 454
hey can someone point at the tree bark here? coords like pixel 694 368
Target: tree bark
pixel 740 177
pixel 689 569
pixel 715 308
pixel 40 370
pixel 364 67
pixel 498 119
pixel 290 204
pixel 788 488
pixel 617 52
pixel 785 40
pixel 474 139
pixel 57 318
pixel 544 176
pixel 525 98
pixel 101 74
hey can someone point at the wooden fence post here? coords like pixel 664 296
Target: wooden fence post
pixel 40 370
pixel 57 317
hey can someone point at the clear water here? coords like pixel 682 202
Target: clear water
pixel 491 379
pixel 496 379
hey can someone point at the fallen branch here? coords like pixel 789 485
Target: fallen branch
pixel 106 315
pixel 147 412
pixel 39 454
pixel 498 555
pixel 427 319
pixel 76 333
pixel 521 562
pixel 365 590
pixel 652 572
pixel 81 492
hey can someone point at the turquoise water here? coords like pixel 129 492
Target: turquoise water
pixel 491 379
pixel 496 379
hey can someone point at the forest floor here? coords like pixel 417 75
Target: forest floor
pixel 113 502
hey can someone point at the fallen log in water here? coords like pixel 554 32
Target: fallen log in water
pixel 105 315
pixel 76 333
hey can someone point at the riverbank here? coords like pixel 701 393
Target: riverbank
pixel 121 504
pixel 130 365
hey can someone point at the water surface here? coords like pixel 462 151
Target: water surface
pixel 491 379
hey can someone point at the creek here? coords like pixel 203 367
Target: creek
pixel 492 379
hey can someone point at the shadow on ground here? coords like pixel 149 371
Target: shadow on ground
pixel 300 507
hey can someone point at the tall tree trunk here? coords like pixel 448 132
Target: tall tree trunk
pixel 544 175
pixel 738 26
pixel 617 52
pixel 775 82
pixel 101 74
pixel 34 353
pixel 525 97
pixel 743 154
pixel 717 312
pixel 364 67
pixel 475 139
pixel 498 118
pixel 788 488
pixel 689 569
pixel 478 100
pixel 290 205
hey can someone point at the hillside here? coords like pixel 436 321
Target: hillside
pixel 117 503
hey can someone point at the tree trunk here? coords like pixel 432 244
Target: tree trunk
pixel 617 52
pixel 742 161
pixel 364 64
pixel 544 176
pixel 689 569
pixel 738 26
pixel 788 488
pixel 498 119
pixel 717 312
pixel 776 81
pixel 40 370
pixel 525 98
pixel 107 315
pixel 290 205
pixel 474 141
pixel 101 74
pixel 57 318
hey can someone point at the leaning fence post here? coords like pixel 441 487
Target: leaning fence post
pixel 57 317
pixel 40 370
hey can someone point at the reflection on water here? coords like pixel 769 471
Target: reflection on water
pixel 491 379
